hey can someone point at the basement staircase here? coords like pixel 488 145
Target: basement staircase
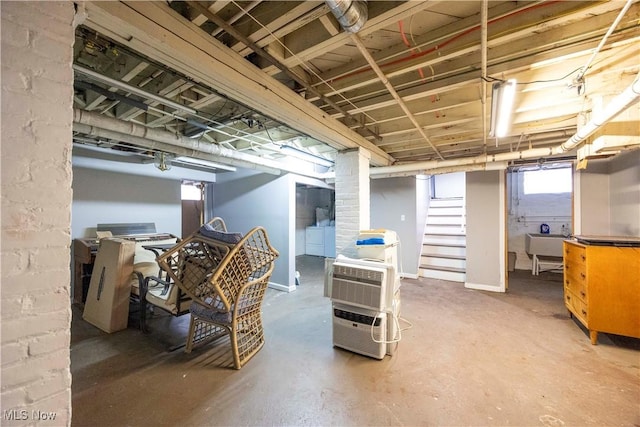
pixel 444 242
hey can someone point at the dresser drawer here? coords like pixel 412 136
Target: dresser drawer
pixel 574 253
pixel 576 306
pixel 576 282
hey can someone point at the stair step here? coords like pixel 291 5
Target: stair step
pixel 442 268
pixel 451 276
pixel 453 203
pixel 446 245
pixel 445 256
pixel 445 233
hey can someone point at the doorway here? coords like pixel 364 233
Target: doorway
pixel 192 206
pixel 539 201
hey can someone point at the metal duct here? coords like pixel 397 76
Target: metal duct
pixel 351 14
pixel 95 124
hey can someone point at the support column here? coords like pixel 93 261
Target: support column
pixel 352 198
pixel 37 98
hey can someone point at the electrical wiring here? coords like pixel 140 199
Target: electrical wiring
pixel 396 320
pixel 302 63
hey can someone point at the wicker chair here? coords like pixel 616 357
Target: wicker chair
pixel 151 289
pixel 227 281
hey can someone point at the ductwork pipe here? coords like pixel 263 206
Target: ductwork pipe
pixel 167 148
pixel 106 127
pixel 620 103
pixel 351 14
pixel 617 105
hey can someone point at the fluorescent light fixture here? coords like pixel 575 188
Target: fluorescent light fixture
pixel 502 96
pixel 204 163
pixel 303 155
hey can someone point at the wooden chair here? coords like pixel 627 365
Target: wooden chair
pixel 227 282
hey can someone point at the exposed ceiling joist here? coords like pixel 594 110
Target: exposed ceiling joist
pixel 158 32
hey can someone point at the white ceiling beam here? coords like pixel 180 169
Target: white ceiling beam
pixel 404 10
pixel 155 30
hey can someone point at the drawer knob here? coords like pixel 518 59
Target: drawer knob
pixel 568 297
pixel 584 276
pixel 584 312
pixel 584 258
pixel 583 294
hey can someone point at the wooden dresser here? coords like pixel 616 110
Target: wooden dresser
pixel 602 284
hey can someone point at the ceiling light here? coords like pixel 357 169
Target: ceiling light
pixel 502 96
pixel 204 163
pixel 304 155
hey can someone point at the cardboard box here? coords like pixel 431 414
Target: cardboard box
pixel 107 304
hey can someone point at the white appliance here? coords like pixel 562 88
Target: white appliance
pixel 363 283
pixel 360 330
pixel 378 245
pixel 365 295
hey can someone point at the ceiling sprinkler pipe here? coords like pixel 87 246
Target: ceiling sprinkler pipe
pixel 351 14
pixel 120 129
pixel 617 105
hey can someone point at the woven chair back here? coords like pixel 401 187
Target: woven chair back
pixel 248 261
pixel 212 272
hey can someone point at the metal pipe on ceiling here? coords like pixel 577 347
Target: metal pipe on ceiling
pixel 624 10
pixel 617 105
pixel 133 89
pixel 149 144
pixel 99 125
pixel 275 62
pixel 351 14
pixel 483 81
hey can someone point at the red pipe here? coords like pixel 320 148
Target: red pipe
pixel 452 39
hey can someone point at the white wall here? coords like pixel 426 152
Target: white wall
pixel 624 188
pixel 37 99
pixel 246 199
pixel 449 185
pixel 608 196
pixel 394 206
pixel 486 246
pixel 591 199
pixel 526 212
pixel 108 197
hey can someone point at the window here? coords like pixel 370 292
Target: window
pixel 546 181
pixel 191 192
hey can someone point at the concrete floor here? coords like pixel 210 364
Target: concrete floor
pixel 471 358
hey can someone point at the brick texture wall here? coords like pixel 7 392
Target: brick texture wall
pixel 37 94
pixel 353 205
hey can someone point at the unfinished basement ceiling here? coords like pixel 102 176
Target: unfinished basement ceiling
pixel 411 86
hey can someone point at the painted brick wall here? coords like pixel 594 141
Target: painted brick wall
pixel 37 81
pixel 352 199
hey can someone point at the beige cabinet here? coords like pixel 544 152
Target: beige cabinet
pixel 602 285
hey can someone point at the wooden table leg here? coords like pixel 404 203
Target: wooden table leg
pixel 593 335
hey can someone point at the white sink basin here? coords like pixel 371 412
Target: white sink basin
pixel 544 244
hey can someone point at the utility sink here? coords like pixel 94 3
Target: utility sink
pixel 544 244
